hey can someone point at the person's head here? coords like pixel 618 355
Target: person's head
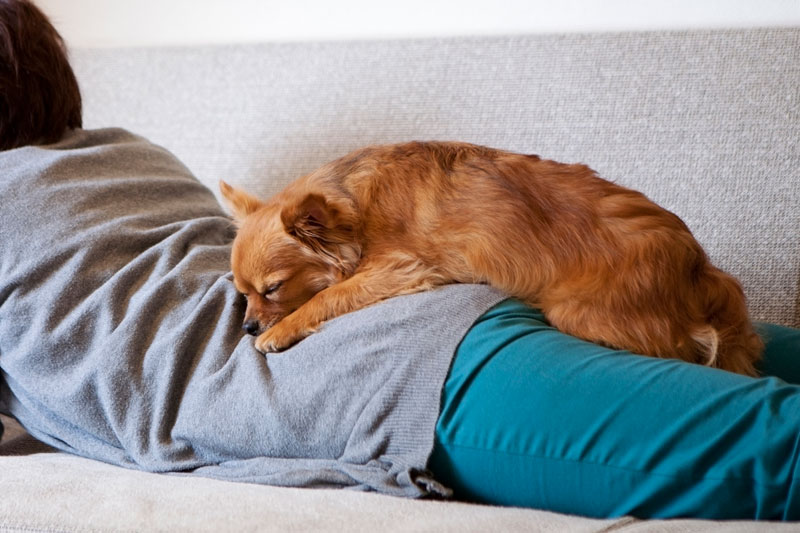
pixel 39 95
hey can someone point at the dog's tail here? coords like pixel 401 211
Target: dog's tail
pixel 725 337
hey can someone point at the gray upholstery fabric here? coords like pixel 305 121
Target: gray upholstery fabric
pixel 706 123
pixel 84 495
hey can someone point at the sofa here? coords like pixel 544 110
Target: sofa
pixel 706 123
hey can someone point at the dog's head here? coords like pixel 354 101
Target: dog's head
pixel 287 250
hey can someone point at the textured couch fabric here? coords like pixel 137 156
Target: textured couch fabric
pixel 706 123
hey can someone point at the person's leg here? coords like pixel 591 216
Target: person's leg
pixel 781 352
pixel 532 417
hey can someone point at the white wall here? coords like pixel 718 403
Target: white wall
pixel 154 22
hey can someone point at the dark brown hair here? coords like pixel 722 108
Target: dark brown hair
pixel 39 95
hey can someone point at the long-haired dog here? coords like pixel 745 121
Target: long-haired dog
pixel 601 261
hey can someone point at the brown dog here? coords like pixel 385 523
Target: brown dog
pixel 603 262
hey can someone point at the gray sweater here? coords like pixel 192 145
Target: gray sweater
pixel 120 335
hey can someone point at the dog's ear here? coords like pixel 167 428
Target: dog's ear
pixel 329 227
pixel 317 222
pixel 240 203
pixel 309 219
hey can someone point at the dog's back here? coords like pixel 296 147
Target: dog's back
pixel 603 262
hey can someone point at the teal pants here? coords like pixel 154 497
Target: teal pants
pixel 535 418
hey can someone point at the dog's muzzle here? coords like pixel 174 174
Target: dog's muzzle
pixel 251 327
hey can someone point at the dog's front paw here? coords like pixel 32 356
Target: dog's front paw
pixel 281 336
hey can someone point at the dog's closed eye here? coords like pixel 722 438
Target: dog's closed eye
pixel 272 289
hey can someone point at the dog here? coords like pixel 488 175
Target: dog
pixel 603 262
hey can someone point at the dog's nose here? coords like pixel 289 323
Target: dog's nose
pixel 251 327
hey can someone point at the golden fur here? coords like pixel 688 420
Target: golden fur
pixel 603 262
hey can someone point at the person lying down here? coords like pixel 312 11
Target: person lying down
pixel 121 341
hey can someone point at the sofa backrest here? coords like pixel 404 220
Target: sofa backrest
pixel 707 123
